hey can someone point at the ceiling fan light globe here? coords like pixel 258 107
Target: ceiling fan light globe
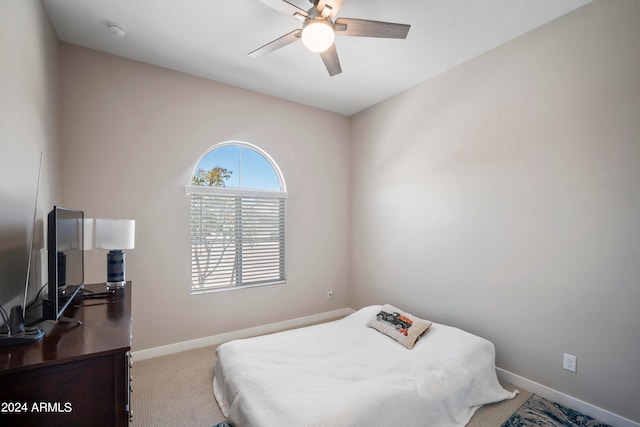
pixel 317 35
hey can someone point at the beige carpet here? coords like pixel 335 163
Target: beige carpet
pixel 176 391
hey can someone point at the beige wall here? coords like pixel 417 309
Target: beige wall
pixel 29 116
pixel 132 134
pixel 504 197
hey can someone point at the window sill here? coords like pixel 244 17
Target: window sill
pixel 234 288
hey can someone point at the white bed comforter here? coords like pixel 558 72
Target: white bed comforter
pixel 343 373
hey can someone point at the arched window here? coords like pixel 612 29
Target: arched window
pixel 237 225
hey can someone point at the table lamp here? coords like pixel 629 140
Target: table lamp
pixel 115 235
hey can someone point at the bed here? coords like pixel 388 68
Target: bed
pixel 343 373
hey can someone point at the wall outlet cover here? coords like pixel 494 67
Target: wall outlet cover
pixel 569 362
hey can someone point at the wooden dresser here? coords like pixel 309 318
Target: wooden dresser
pixel 77 375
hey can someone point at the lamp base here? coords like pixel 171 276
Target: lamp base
pixel 115 285
pixel 115 269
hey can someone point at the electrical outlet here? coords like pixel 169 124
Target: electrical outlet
pixel 330 293
pixel 569 362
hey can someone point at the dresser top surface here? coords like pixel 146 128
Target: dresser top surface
pixel 105 328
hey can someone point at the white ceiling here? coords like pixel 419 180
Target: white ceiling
pixel 211 39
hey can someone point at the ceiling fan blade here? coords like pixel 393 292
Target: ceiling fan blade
pixel 366 28
pixel 285 7
pixel 276 44
pixel 331 61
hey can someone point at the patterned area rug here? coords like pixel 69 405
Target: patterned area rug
pixel 537 411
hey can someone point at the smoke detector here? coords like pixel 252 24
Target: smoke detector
pixel 116 30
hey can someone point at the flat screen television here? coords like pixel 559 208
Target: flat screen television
pixel 65 253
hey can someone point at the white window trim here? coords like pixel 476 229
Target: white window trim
pixel 231 191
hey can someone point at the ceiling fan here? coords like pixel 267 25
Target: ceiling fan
pixel 320 26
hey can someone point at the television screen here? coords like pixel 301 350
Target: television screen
pixel 65 235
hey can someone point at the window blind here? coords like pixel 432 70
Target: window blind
pixel 236 239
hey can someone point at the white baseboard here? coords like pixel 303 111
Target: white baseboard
pixel 566 400
pixel 244 333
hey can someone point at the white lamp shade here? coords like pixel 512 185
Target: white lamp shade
pixel 88 234
pixel 115 233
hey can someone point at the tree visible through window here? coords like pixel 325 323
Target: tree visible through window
pixel 214 177
pixel 237 225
